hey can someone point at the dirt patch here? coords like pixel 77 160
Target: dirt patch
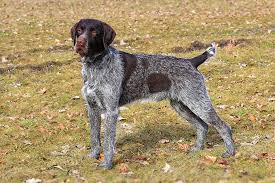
pixel 233 42
pixel 39 67
pixel 57 48
pixel 197 45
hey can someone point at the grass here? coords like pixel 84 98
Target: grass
pixel 44 131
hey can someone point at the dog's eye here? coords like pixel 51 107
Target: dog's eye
pixel 93 33
pixel 79 31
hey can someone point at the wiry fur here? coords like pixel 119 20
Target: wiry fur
pixel 108 84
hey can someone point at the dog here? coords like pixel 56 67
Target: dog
pixel 114 78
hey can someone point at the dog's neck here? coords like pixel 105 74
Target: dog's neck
pixel 95 58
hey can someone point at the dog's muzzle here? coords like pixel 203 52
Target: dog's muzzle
pixel 81 46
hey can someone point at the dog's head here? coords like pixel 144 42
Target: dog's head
pixel 91 37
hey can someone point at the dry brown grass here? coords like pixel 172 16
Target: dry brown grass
pixel 44 132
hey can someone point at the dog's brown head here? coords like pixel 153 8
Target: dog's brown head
pixel 91 37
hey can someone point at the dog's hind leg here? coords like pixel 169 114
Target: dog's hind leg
pixel 195 97
pixel 201 127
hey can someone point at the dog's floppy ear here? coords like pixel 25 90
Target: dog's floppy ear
pixel 73 32
pixel 109 35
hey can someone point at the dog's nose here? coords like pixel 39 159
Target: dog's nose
pixel 81 41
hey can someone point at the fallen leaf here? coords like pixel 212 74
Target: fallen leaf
pixel 4 59
pixel 184 147
pixel 243 172
pixel 208 160
pixel 17 84
pixel 122 43
pixel 4 126
pixel 59 167
pixel 33 180
pixel 242 65
pixel 140 159
pixel 126 126
pixel 272 157
pixel 223 162
pixel 80 147
pixel 123 168
pixel 235 118
pixel 269 137
pixel 121 118
pixel 254 157
pixel 27 142
pixel 43 130
pixel 128 173
pixel 222 106
pixel 254 141
pixel 264 155
pixel 167 168
pixel 13 118
pixel 71 115
pixel 252 118
pixel 50 116
pixel 56 153
pixel 63 152
pixel 61 126
pixel 3 152
pixel 75 173
pixel 42 91
pixel 61 110
pixel 181 140
pixel 76 98
pixel 164 141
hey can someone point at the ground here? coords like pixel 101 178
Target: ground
pixel 44 130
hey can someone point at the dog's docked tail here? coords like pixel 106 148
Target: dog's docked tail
pixel 210 52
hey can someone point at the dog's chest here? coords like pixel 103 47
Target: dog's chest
pixel 94 82
pixel 102 84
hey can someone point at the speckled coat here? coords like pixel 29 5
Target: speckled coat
pixel 113 78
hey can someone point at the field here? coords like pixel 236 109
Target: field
pixel 44 129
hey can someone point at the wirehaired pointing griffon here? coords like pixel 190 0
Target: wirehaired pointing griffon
pixel 113 78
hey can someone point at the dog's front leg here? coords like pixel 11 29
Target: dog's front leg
pixel 95 122
pixel 111 117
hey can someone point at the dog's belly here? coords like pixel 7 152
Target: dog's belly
pixel 141 96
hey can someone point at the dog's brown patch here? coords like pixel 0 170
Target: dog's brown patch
pixel 158 82
pixel 130 64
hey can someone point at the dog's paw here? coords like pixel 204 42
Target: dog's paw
pixel 228 154
pixel 94 155
pixel 106 165
pixel 212 50
pixel 194 148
